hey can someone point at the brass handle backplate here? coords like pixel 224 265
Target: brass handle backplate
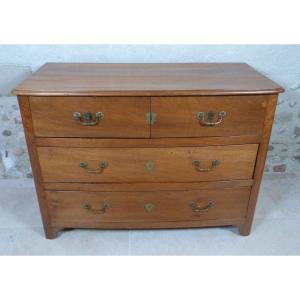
pixel 210 118
pixel 103 208
pixel 198 208
pixel 88 119
pixel 196 163
pixel 101 166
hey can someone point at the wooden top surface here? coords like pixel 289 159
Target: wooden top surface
pixel 78 79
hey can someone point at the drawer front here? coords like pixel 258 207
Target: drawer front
pixel 179 164
pixel 208 116
pixel 107 116
pixel 88 208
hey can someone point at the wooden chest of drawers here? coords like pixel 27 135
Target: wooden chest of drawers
pixel 147 145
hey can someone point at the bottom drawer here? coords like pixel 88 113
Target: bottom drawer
pixel 89 209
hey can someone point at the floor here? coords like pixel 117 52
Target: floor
pixel 276 229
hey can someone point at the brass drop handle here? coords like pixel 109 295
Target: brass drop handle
pixel 196 163
pixel 210 118
pixel 196 207
pixel 103 208
pixel 101 166
pixel 88 119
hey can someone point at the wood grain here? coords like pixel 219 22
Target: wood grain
pixel 24 105
pixel 158 224
pixel 63 79
pixel 146 143
pixel 244 116
pixel 128 164
pixel 67 207
pixel 123 116
pixel 260 163
pixel 153 186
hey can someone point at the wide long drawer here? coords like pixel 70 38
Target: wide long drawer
pixel 89 208
pixel 124 117
pixel 175 164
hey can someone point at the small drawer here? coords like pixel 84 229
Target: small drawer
pixel 176 164
pixel 91 208
pixel 122 117
pixel 208 116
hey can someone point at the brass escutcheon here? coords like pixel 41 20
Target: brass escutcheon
pixel 151 117
pixel 149 165
pixel 149 207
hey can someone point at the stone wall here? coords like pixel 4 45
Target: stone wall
pixel 279 62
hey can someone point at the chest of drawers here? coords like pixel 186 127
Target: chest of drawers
pixel 147 145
